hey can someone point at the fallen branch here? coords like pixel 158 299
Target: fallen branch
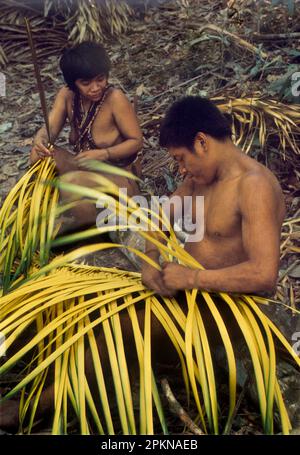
pixel 178 410
pixel 275 36
pixel 171 89
pixel 240 41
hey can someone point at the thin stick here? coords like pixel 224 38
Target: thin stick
pixel 275 36
pixel 240 41
pixel 171 89
pixel 178 410
pixel 38 79
pixel 238 404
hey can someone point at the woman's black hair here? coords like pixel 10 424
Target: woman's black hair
pixel 84 61
pixel 189 116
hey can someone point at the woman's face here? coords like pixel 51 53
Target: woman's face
pixel 92 89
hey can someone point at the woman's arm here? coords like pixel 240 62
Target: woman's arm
pixel 57 118
pixel 127 123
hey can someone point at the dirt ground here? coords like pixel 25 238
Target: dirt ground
pixel 163 56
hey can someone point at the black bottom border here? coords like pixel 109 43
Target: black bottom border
pixel 102 445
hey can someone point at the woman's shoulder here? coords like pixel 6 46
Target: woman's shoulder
pixel 116 94
pixel 118 98
pixel 65 93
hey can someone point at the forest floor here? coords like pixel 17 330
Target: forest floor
pixel 168 53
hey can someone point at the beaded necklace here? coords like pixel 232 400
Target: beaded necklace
pixel 83 121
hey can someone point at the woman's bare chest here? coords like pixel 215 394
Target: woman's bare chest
pixel 101 125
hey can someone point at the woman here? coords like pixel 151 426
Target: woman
pixel 104 125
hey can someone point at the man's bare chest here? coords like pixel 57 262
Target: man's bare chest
pixel 221 217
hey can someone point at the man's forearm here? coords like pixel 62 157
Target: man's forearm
pixel 244 277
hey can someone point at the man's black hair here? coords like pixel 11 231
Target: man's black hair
pixel 84 61
pixel 189 116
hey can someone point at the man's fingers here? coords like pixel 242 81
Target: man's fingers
pixel 159 287
pixel 165 292
pixel 81 160
pixel 154 285
pixel 163 289
pixel 82 164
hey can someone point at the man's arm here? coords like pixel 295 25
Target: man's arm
pixel 186 188
pixel 261 240
pixel 152 277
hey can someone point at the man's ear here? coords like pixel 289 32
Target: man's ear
pixel 200 144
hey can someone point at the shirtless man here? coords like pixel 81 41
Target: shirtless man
pixel 243 213
pixel 244 210
pixel 243 207
pixel 103 123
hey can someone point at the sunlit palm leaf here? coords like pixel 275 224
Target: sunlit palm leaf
pixel 66 305
pixel 24 218
pixel 71 323
pixel 199 368
pixel 251 116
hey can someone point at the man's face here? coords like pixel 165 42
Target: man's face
pixel 196 164
pixel 92 89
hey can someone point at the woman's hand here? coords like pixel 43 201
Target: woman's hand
pixel 94 154
pixel 39 150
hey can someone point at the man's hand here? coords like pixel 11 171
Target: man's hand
pixel 176 277
pixel 152 279
pixel 94 154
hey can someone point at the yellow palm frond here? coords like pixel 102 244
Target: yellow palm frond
pixel 62 306
pixel 262 117
pixel 69 304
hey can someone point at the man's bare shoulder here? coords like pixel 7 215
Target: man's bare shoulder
pixel 261 185
pixel 261 177
pixel 254 173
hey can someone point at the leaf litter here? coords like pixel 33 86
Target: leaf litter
pixel 217 48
